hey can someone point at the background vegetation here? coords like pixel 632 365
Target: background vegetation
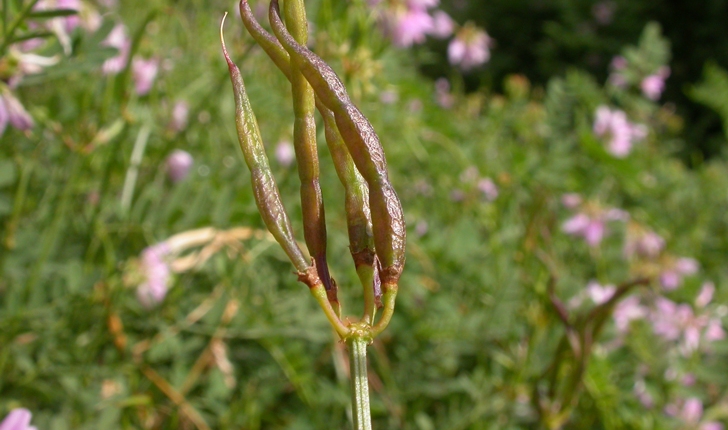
pixel 494 283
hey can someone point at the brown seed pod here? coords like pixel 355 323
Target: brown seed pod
pixel 363 143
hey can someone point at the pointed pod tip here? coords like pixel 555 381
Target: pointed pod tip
pixel 222 41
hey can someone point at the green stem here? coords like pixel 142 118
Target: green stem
pixel 366 276
pixel 319 293
pixel 9 33
pixel 359 382
pixel 390 294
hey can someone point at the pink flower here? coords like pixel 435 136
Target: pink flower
pixel 653 85
pixel 618 63
pixel 144 71
pixel 409 27
pixel 488 188
pixel 422 4
pixel 714 331
pixel 470 47
pixel 442 93
pixel 640 390
pixel 691 413
pixel 627 311
pixel 118 39
pixel 620 133
pixel 442 24
pixel 421 228
pixel 642 243
pixel 388 97
pixel 155 268
pixel 285 153
pixel 592 226
pixel 671 275
pixel 678 322
pixel 179 163
pixel 180 112
pixel 599 294
pixel 706 295
pixel 571 200
pixel 12 112
pixel 63 26
pixel 692 410
pixel 17 419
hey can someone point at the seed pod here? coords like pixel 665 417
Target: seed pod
pixel 304 142
pixel 363 143
pixel 265 190
pixel 356 192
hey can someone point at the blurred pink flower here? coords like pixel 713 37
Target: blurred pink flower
pixel 671 275
pixel 69 23
pixel 179 164
pixel 599 294
pixel 422 4
pixel 592 226
pixel 470 47
pixel 571 200
pixel 469 175
pixel 640 390
pixel 17 419
pixel 153 290
pixel 691 414
pixel 706 295
pixel 421 228
pixel 443 95
pixel 642 242
pixel 620 133
pixel 692 410
pixel 180 113
pixel 678 322
pixel 442 24
pixel 388 97
pixel 618 63
pixel 285 153
pixel 488 188
pixel 118 39
pixel 653 85
pixel 62 26
pixel 688 380
pixel 12 112
pixel 144 71
pixel 408 27
pixel 626 311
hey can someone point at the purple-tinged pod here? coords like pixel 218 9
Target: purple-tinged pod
pixel 265 190
pixel 356 190
pixel 364 147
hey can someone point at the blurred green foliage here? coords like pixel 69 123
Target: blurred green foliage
pixel 542 39
pixel 474 330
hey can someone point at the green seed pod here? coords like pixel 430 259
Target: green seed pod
pixel 363 143
pixel 265 190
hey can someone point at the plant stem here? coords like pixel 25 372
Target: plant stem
pixel 357 346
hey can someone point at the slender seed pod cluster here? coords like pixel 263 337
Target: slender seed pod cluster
pixel 363 144
pixel 374 214
pixel 356 191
